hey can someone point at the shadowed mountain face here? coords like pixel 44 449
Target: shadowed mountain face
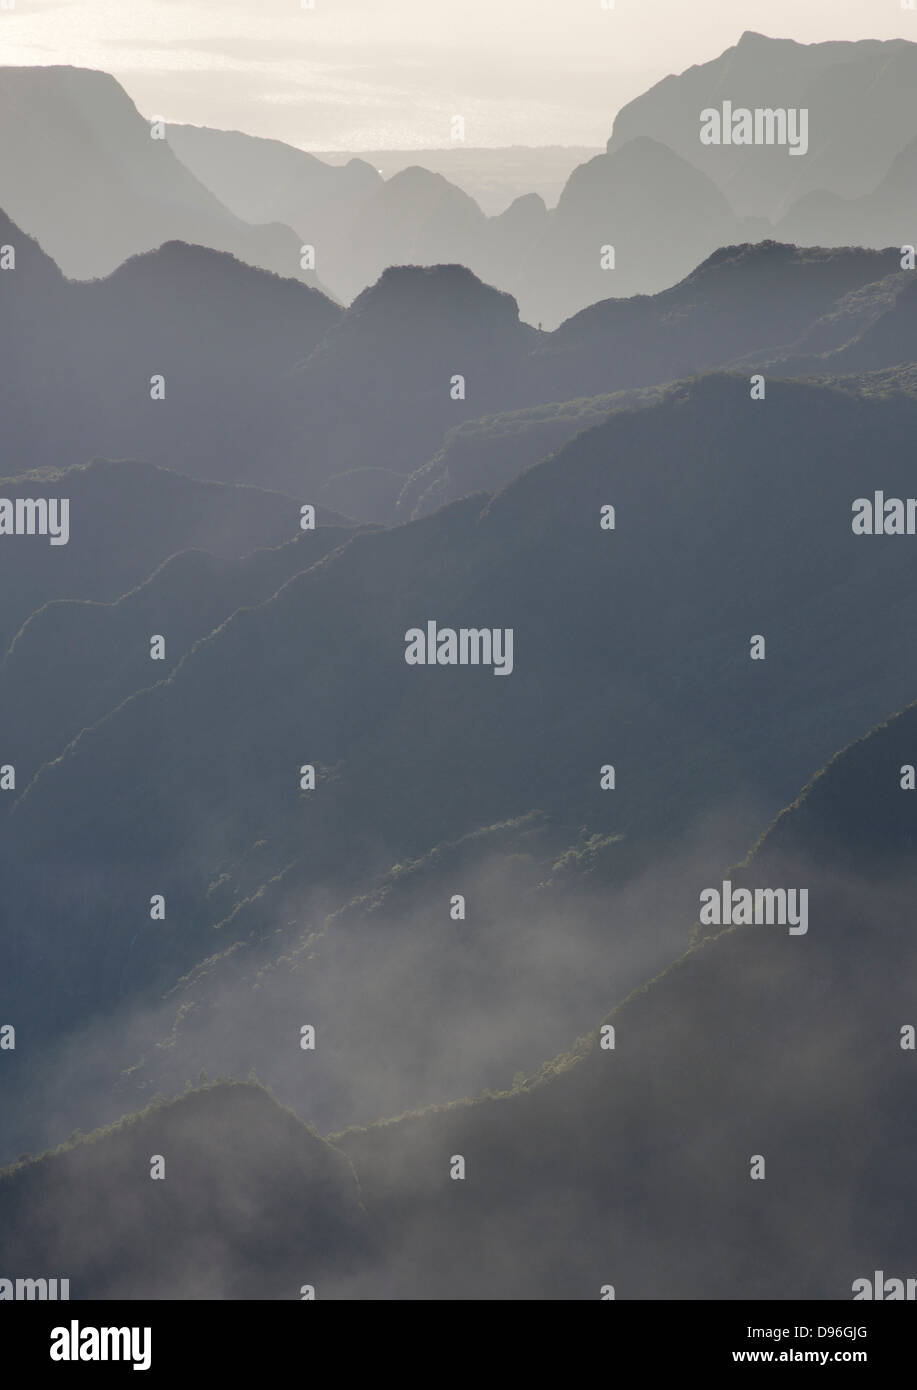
pixel 824 307
pixel 632 1166
pixel 220 334
pixel 639 621
pixel 418 352
pixel 81 171
pixel 176 358
pixel 102 649
pixel 125 519
pixel 742 299
pixel 859 100
pixel 863 334
pixel 627 1166
pixel 219 1225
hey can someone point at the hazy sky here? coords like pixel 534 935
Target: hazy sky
pixel 363 74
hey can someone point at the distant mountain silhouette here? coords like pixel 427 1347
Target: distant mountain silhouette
pixel 658 212
pixel 886 215
pixel 494 176
pixel 416 218
pixel 269 181
pixel 663 200
pixel 81 156
pixel 858 96
pixel 80 171
pixel 359 224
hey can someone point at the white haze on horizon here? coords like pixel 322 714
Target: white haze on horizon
pixel 390 74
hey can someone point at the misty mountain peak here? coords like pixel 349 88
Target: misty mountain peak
pixel 416 185
pixel 175 260
pixel 416 176
pixel 646 168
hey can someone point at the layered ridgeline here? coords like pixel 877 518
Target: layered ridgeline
pixel 750 1133
pixel 563 925
pixel 100 529
pixel 294 756
pixel 633 220
pixel 102 649
pixel 268 181
pixel 660 199
pixel 767 306
pixel 886 213
pixel 424 350
pixel 835 170
pixel 835 167
pixel 857 97
pixel 176 358
pixel 357 225
pixel 83 172
pixel 189 359
pixel 832 165
pixel 420 351
pixel 740 1127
